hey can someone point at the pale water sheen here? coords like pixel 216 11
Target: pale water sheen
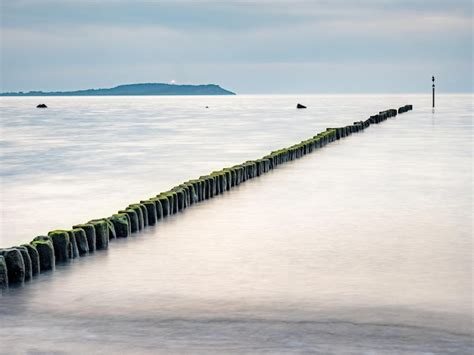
pixel 362 247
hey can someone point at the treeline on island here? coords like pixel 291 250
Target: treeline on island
pixel 134 90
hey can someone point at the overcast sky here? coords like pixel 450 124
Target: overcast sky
pixel 262 46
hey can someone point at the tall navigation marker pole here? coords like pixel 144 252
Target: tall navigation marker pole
pixel 433 79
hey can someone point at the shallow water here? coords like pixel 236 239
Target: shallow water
pixel 364 246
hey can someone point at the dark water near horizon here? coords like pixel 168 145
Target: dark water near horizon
pixel 364 247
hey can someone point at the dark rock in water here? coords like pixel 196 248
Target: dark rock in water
pixel 300 106
pixel 3 273
pixel 15 265
pixel 42 106
pixel 34 256
pixel 44 246
pixel 27 261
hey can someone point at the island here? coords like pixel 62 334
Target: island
pixel 134 90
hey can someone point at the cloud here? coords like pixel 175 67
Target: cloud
pixel 224 15
pixel 47 37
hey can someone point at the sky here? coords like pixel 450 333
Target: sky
pixel 250 47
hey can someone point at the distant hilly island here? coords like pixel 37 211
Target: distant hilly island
pixel 134 90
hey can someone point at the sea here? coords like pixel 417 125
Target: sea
pixel 362 247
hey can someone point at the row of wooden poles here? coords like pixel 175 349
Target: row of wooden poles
pixel 21 263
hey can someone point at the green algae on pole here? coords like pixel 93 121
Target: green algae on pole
pixel 121 224
pixel 81 241
pixel 74 252
pixel 90 234
pixel 162 207
pixel 165 206
pixel 18 263
pixel 44 246
pixel 133 218
pixel 140 214
pixel 151 212
pixel 27 261
pixel 34 256
pixel 62 245
pixel 14 264
pixel 101 233
pixel 110 228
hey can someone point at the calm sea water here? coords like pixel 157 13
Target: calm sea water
pixel 362 247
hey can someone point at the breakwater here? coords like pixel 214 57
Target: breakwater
pixel 60 246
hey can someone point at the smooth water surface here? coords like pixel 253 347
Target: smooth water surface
pixel 364 246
